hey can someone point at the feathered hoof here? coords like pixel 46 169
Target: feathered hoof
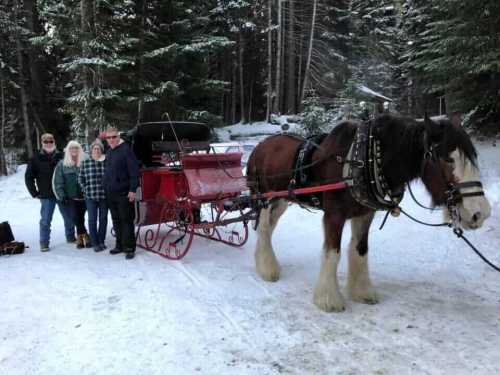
pixel 269 274
pixel 369 297
pixel 329 301
pixel 267 266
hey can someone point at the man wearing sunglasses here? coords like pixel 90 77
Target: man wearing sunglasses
pixel 120 180
pixel 38 178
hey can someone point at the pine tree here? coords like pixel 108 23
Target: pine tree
pixel 459 55
pixel 374 48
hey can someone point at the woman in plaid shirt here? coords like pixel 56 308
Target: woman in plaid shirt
pixel 90 180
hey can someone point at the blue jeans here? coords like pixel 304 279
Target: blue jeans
pixel 98 213
pixel 47 208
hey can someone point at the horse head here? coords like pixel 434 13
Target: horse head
pixel 450 173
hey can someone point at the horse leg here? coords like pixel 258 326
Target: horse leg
pixel 359 286
pixel 326 293
pixel 265 260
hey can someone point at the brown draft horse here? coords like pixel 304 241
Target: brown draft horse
pixel 405 148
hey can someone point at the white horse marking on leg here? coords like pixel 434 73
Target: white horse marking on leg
pixel 326 294
pixel 265 260
pixel 359 286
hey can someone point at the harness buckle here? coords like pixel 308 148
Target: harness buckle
pixel 359 164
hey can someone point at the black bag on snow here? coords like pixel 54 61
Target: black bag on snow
pixel 5 233
pixel 7 244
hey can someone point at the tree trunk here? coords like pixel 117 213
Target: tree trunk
pixel 87 27
pixel 250 101
pixel 38 122
pixel 3 164
pixel 140 60
pixel 233 96
pixel 269 59
pixel 309 52
pixel 291 86
pixel 37 68
pixel 22 89
pixel 279 53
pixel 243 119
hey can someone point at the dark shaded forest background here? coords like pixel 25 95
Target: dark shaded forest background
pixel 73 67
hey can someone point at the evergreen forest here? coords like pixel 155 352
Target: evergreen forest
pixel 73 67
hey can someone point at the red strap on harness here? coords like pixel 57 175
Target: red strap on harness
pixel 306 190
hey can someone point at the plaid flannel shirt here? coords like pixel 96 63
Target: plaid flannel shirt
pixel 90 179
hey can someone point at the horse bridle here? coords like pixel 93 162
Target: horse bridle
pixel 454 194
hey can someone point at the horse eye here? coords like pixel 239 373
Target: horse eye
pixel 449 161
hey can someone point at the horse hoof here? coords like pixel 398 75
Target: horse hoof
pixel 267 266
pixel 369 298
pixel 329 303
pixel 269 275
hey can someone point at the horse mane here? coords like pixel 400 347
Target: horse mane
pixel 455 137
pixel 402 147
pixel 402 142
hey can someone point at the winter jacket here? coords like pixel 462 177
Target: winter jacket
pixel 121 172
pixel 38 176
pixel 90 179
pixel 65 182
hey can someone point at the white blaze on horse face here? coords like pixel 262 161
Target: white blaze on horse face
pixel 473 210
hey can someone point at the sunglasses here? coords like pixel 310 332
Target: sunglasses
pixel 111 137
pixel 48 142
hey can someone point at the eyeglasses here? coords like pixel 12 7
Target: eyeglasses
pixel 111 137
pixel 47 142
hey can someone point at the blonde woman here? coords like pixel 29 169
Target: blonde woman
pixel 68 191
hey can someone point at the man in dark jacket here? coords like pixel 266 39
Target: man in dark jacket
pixel 38 178
pixel 120 180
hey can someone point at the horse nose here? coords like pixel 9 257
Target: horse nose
pixel 476 217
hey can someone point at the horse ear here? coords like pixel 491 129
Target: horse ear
pixel 456 119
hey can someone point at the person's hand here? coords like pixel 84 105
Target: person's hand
pixel 131 196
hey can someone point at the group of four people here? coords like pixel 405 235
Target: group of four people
pixel 77 184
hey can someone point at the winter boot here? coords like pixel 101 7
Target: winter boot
pixel 44 247
pixel 71 239
pixel 116 250
pixel 86 240
pixel 80 242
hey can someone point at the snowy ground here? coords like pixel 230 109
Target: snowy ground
pixel 76 312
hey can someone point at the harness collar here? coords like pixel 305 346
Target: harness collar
pixel 363 172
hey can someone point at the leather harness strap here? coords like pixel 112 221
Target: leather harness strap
pixel 363 172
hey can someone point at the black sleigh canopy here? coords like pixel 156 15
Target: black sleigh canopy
pixel 152 138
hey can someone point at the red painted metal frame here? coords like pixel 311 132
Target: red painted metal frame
pixel 301 191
